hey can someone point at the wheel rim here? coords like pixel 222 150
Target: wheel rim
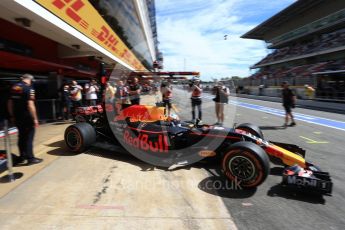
pixel 242 168
pixel 73 139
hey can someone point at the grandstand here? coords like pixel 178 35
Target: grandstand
pixel 306 43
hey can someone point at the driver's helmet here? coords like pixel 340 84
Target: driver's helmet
pixel 173 117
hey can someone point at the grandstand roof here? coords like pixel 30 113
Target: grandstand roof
pixel 277 20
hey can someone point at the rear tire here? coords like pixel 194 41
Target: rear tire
pixel 246 162
pixel 79 137
pixel 252 129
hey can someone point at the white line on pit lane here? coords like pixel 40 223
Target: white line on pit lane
pixel 299 116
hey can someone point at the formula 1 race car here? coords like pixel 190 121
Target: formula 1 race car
pixel 243 152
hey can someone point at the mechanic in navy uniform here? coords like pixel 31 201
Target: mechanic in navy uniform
pixel 134 91
pixel 289 100
pixel 22 111
pixel 66 102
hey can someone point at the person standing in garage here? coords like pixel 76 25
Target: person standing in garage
pixel 134 91
pixel 22 111
pixel 76 96
pixel 66 102
pixel 121 96
pixel 91 91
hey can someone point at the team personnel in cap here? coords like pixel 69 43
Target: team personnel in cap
pixel 289 101
pixel 22 110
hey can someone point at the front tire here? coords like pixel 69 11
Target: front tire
pixel 79 137
pixel 246 162
pixel 252 129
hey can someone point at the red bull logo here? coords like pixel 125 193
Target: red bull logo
pixel 17 89
pixel 142 142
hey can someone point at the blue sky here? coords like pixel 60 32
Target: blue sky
pixel 191 34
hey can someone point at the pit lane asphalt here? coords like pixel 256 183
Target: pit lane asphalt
pixel 271 206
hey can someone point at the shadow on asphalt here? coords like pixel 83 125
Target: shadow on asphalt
pixel 279 127
pixel 63 123
pixel 276 171
pixel 215 184
pixel 123 157
pixel 58 144
pixel 209 184
pixel 7 179
pixel 281 191
pixel 220 186
pixel 61 149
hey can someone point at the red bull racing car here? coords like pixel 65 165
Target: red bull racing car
pixel 242 151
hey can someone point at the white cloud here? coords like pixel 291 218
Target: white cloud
pixel 191 34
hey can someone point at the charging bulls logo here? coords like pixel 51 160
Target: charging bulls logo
pixel 17 89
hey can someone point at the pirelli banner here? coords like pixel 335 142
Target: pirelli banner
pixel 82 16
